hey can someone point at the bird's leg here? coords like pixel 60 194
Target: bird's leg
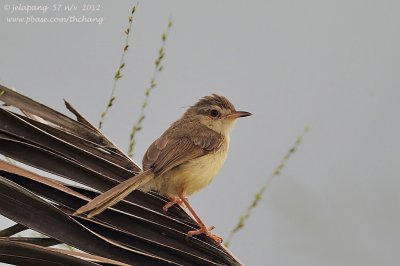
pixel 172 201
pixel 203 229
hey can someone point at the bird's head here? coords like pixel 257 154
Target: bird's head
pixel 216 112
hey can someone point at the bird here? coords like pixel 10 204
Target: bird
pixel 182 161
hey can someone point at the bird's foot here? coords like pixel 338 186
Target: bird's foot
pixel 173 201
pixel 207 232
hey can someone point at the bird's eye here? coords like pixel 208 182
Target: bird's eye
pixel 214 113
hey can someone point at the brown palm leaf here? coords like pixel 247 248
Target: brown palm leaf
pixel 133 232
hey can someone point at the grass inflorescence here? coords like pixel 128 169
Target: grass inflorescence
pixel 118 73
pixel 158 67
pixel 259 195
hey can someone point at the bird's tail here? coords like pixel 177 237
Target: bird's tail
pixel 114 195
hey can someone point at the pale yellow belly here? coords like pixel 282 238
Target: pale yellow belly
pixel 191 176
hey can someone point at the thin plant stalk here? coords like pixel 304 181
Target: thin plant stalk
pixel 118 73
pixel 158 67
pixel 260 193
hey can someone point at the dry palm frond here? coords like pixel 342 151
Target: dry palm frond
pixel 133 232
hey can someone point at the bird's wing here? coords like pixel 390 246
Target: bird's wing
pixel 167 152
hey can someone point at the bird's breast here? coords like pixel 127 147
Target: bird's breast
pixel 195 174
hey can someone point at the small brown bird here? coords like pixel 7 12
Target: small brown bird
pixel 183 160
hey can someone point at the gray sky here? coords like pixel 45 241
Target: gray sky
pixel 332 65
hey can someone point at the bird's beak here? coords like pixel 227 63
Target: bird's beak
pixel 237 114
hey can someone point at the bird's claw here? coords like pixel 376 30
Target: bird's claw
pixel 207 232
pixel 172 202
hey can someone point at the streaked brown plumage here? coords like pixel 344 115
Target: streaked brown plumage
pixel 183 160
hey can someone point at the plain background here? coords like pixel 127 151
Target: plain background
pixel 332 65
